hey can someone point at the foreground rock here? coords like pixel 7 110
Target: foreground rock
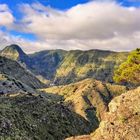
pixel 122 122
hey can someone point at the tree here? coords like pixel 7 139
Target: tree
pixel 128 73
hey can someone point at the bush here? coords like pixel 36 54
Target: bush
pixel 128 73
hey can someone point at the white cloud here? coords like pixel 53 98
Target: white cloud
pixel 95 20
pixel 95 25
pixel 6 17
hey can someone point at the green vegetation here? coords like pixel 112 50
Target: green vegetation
pixel 78 65
pixel 58 112
pixel 64 67
pixel 27 114
pixel 129 72
pixel 37 117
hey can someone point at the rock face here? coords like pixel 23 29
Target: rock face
pixel 88 98
pixel 122 121
pixel 64 67
pixel 17 72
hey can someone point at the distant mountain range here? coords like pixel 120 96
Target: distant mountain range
pixel 64 67
pixel 82 101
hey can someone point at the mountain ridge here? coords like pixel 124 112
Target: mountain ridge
pixel 64 67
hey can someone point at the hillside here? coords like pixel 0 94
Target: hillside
pixel 17 72
pixel 37 117
pixel 121 122
pixel 89 97
pixel 97 64
pixel 64 67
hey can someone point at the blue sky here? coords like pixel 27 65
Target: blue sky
pixel 53 24
pixel 57 4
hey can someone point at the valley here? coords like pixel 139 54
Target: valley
pixel 57 95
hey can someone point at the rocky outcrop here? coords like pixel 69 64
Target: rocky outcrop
pixel 123 119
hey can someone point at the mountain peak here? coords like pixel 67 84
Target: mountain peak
pixel 13 47
pixel 13 52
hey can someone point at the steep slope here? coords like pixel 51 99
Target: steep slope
pixel 15 70
pixel 64 67
pixel 121 122
pixel 8 85
pixel 45 63
pixel 89 97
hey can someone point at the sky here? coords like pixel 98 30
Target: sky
pixel 37 25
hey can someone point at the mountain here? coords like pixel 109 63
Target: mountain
pixel 64 67
pixel 97 64
pixel 85 107
pixel 121 122
pixel 16 71
pixel 88 98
